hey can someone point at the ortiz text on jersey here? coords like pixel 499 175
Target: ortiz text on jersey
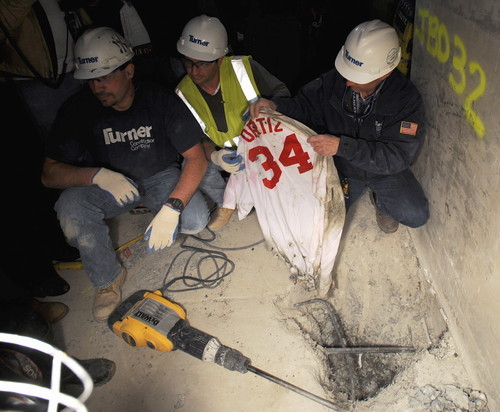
pixel 290 154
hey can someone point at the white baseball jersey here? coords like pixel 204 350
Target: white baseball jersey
pixel 296 194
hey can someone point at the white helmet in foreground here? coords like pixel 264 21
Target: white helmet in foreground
pixel 203 38
pixel 99 51
pixel 370 51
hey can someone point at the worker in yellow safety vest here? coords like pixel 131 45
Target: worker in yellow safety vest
pixel 218 89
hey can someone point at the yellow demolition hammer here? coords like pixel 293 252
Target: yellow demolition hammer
pixel 149 319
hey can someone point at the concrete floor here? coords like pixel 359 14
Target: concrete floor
pixel 380 293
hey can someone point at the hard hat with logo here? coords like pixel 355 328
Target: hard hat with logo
pixel 99 51
pixel 203 38
pixel 370 51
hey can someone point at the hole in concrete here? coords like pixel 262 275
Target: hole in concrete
pixel 361 376
pixel 365 369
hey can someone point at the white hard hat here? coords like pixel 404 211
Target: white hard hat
pixel 203 38
pixel 370 51
pixel 99 51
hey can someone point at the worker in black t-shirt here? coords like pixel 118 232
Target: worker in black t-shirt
pixel 115 145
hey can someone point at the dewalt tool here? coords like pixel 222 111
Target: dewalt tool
pixel 149 319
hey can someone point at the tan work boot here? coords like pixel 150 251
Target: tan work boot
pixel 106 300
pixel 386 223
pixel 220 218
pixel 52 312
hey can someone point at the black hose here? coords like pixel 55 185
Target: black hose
pixel 223 265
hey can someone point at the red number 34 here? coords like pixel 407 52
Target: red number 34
pixel 291 154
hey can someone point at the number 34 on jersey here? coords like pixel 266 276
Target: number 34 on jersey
pixel 290 154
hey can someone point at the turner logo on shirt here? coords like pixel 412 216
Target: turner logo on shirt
pixel 111 136
pixel 139 138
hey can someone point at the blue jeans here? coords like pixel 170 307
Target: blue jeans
pixel 82 212
pixel 213 184
pixel 399 196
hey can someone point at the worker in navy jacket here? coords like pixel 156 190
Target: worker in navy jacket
pixel 370 117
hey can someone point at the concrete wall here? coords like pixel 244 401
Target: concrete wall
pixel 456 66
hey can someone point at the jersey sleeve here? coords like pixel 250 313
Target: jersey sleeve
pixel 238 195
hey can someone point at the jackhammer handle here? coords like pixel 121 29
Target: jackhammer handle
pixel 206 347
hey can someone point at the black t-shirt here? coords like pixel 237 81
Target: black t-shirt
pixel 138 142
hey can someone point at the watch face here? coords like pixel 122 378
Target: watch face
pixel 176 203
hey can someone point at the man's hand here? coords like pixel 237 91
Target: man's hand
pixel 228 160
pixel 259 104
pixel 162 230
pixel 324 144
pixel 121 188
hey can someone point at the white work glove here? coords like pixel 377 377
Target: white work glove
pixel 162 230
pixel 228 160
pixel 120 187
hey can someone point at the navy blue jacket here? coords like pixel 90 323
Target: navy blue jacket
pixel 382 143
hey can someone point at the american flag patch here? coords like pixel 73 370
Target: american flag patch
pixel 408 128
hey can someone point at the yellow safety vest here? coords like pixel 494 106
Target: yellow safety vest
pixel 238 90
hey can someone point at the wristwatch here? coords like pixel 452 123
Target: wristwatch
pixel 176 203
